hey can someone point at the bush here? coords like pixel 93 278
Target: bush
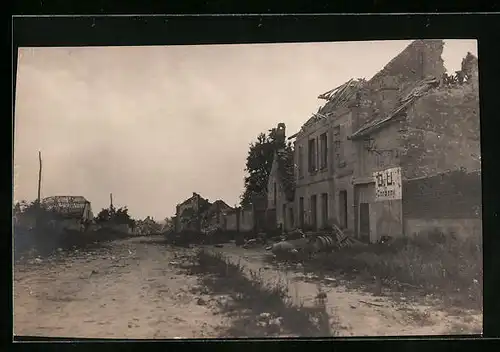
pixel 430 260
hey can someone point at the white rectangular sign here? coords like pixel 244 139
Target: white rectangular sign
pixel 387 184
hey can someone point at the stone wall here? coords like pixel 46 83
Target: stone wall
pixel 246 220
pixel 442 133
pixel 462 228
pixel 451 202
pixel 230 221
pixel 453 195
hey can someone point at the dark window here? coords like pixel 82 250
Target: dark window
pixel 343 209
pixel 314 212
pixel 324 151
pixel 324 209
pixel 312 155
pixel 291 219
pixel 301 161
pixel 301 212
pixel 338 146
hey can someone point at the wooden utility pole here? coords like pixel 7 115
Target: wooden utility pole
pixel 39 175
pixel 110 200
pixel 38 205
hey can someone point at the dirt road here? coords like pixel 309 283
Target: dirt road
pixel 356 313
pixel 135 289
pixel 127 290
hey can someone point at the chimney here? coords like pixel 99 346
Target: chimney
pixel 281 134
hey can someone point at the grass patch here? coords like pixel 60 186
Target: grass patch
pixel 431 262
pixel 259 309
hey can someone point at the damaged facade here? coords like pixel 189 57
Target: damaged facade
pixel 72 211
pixel 378 151
pixel 188 214
pixel 214 216
pixel 198 214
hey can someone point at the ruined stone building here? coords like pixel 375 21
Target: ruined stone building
pixel 394 155
pixel 189 214
pixel 71 211
pixel 214 215
pixel 281 186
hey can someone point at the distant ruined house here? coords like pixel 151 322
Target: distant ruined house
pixel 189 214
pixel 213 217
pixel 71 212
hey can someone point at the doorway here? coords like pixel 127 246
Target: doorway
pixel 364 221
pixel 343 209
pixel 301 212
pixel 324 210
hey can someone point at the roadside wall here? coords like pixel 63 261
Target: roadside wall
pixel 230 221
pixel 451 202
pixel 246 220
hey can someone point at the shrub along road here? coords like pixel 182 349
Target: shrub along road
pixel 356 312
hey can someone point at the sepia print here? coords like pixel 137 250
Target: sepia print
pixel 258 190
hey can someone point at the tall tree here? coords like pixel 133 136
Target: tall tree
pixel 259 163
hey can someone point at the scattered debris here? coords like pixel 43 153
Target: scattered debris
pixel 321 295
pixel 201 302
pixel 372 304
pixel 264 316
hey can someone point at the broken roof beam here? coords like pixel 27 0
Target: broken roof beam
pixel 332 94
pixel 419 90
pixel 327 95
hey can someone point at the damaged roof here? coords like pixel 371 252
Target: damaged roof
pixel 420 89
pixel 218 205
pixel 67 205
pixel 336 98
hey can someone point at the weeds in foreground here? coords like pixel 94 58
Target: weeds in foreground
pixel 433 262
pixel 265 309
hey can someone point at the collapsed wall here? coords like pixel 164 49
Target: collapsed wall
pixel 381 94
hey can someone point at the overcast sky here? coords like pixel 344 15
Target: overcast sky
pixel 154 124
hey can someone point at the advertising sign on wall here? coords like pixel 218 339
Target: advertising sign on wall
pixel 388 184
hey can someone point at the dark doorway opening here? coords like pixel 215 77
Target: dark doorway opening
pixel 301 212
pixel 364 221
pixel 324 210
pixel 343 209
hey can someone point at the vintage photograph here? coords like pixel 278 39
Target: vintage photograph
pixel 261 190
